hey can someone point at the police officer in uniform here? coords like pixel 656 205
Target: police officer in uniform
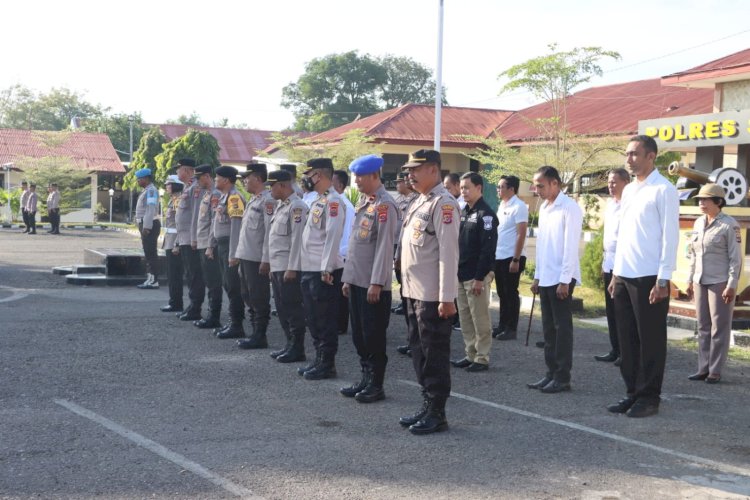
pixel 367 276
pixel 146 215
pixel 174 188
pixel 185 217
pixel 24 198
pixel 406 195
pixel 210 267
pixel 53 209
pixel 226 230
pixel 321 267
pixel 429 271
pixel 292 169
pixel 283 248
pixel 31 206
pixel 254 265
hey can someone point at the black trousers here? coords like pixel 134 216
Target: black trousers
pixel 642 333
pixel 288 300
pixel 430 342
pixel 369 326
pixel 403 300
pixel 149 242
pixel 557 325
pixel 211 273
pixel 191 263
pixel 230 276
pixel 321 302
pixel 54 219
pixel 25 217
pixel 31 221
pixel 611 319
pixel 258 292
pixel 506 284
pixel 174 275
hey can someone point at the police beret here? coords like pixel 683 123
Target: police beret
pixel 421 157
pixel 226 172
pixel 186 162
pixel 144 172
pixel 368 164
pixel 204 169
pixel 173 179
pixel 255 168
pixel 289 167
pixel 319 163
pixel 278 176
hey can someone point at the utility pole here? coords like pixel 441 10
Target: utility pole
pixel 439 79
pixel 131 119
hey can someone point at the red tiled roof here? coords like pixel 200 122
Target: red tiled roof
pixel 732 67
pixel 91 152
pixel 415 124
pixel 237 145
pixel 611 109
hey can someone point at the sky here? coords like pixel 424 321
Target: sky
pixel 230 59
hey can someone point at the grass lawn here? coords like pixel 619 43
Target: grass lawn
pixel 593 299
pixel 735 353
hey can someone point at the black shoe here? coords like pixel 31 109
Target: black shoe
pixel 148 286
pixel 607 358
pixel 217 331
pixel 554 387
pixel 477 367
pixel 541 383
pixel 498 330
pixel 507 335
pixel 206 323
pixel 190 316
pixel 399 309
pixel 403 349
pixel 409 420
pixel 713 379
pixel 352 390
pixel 540 344
pixel 235 331
pixel 292 356
pixel 618 361
pixel 275 354
pixel 370 394
pixel 312 365
pixel 461 363
pixel 321 371
pixel 621 406
pixel 642 409
pixel 169 309
pixel 434 421
pixel 698 376
pixel 254 342
pixel 32 232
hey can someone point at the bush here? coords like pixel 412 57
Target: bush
pixel 591 262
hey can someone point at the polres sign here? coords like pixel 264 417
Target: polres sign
pixel 715 129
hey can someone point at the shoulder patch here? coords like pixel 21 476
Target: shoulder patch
pixel 382 213
pixel 270 206
pixel 487 222
pixel 235 206
pixel 214 201
pixel 297 215
pixel 447 210
pixel 333 209
pixel 196 193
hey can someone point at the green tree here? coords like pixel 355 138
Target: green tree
pixel 196 144
pixel 354 144
pixel 117 128
pixel 22 108
pixel 151 145
pixel 406 81
pixel 192 119
pixel 591 262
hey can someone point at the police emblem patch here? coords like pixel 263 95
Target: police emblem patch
pixel 371 209
pixel 269 208
pixel 297 215
pixel 383 213
pixel 235 206
pixel 487 222
pixel 214 201
pixel 447 214
pixel 333 209
pixel 363 233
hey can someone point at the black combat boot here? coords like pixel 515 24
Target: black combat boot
pixel 211 322
pixel 257 340
pixel 304 369
pixel 352 390
pixel 434 420
pixel 325 369
pixel 296 352
pixel 192 314
pixel 235 331
pixel 373 391
pixel 410 420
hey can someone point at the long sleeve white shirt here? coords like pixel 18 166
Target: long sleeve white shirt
pixel 557 242
pixel 611 223
pixel 348 223
pixel 648 234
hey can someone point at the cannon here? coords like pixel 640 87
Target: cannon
pixel 731 179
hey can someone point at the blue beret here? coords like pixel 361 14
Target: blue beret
pixel 368 164
pixel 144 172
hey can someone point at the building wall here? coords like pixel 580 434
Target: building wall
pixel 735 95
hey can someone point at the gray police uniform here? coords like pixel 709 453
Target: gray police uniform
pixel 146 215
pixel 429 270
pixel 283 246
pixel 226 230
pixel 184 218
pixel 210 268
pixel 174 262
pixel 320 253
pixel 250 250
pixel 31 202
pixel 24 198
pixel 53 211
pixel 370 262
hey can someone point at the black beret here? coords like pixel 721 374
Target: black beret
pixel 226 172
pixel 186 162
pixel 256 168
pixel 421 157
pixel 289 167
pixel 204 169
pixel 278 176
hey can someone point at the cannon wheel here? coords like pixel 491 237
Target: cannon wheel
pixel 733 182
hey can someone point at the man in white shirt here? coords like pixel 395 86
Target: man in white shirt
pixel 340 182
pixel 617 179
pixel 557 272
pixel 510 255
pixel 645 258
pixel 452 182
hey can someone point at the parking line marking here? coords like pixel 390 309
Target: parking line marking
pixel 721 466
pixel 160 450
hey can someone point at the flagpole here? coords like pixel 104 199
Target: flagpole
pixel 439 78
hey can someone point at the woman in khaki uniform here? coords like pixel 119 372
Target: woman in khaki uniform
pixel 715 264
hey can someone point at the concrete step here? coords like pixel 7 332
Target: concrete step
pixel 102 280
pixel 62 270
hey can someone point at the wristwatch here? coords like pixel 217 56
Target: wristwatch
pixel 514 259
pixel 662 283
